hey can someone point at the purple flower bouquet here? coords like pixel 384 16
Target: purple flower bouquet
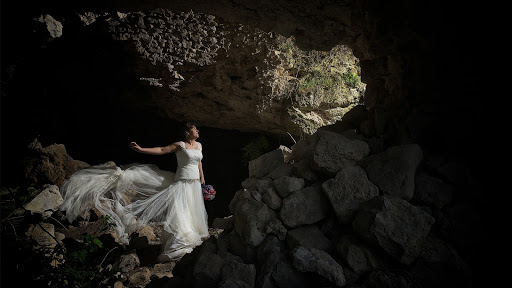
pixel 208 192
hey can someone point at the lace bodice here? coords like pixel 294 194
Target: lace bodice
pixel 188 161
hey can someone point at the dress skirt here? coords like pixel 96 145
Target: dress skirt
pixel 136 195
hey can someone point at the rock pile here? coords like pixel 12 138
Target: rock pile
pixel 331 213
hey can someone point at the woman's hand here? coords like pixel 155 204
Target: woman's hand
pixel 135 147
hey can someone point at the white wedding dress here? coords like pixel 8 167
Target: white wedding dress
pixel 134 195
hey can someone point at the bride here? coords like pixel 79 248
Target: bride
pixel 134 195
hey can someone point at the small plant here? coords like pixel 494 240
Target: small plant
pixel 107 221
pixel 311 82
pixel 351 79
pixel 79 266
pixel 91 244
pixel 254 149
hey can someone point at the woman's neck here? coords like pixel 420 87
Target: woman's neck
pixel 190 141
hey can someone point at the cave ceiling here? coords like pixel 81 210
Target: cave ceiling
pixel 396 43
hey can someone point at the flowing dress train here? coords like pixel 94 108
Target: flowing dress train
pixel 134 195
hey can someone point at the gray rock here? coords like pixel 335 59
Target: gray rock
pixel 333 151
pixel 432 191
pixel 266 163
pixel 347 191
pixel 303 170
pixel 285 275
pixel 395 225
pixel 276 227
pixel 128 262
pixel 225 223
pixel 251 218
pixel 272 200
pixel 238 272
pixel 308 236
pixel 317 261
pixel 393 170
pixel 358 256
pixel 207 268
pixel 306 206
pixel 286 185
pixel 260 185
pixel 283 170
pixel 47 202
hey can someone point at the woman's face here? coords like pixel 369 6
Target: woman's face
pixel 193 133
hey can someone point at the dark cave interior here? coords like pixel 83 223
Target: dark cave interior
pixel 79 100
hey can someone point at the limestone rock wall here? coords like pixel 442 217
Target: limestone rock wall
pixel 233 76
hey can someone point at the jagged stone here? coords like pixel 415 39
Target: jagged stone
pixel 332 152
pixel 238 247
pixel 43 234
pixel 302 169
pixel 308 259
pixel 53 26
pixel 251 229
pixel 393 170
pixel 272 200
pixel 306 206
pixel 208 268
pixel 285 275
pixel 128 262
pixel 225 223
pixel 347 191
pixel 47 202
pixel 276 227
pixel 432 191
pixel 266 163
pixel 139 277
pixel 51 165
pixel 238 272
pixel 308 236
pixel 287 184
pixel 358 256
pixel 395 225
pixel 283 170
pixel 260 185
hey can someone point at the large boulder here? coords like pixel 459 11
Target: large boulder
pixel 347 191
pixel 393 170
pixel 267 162
pixel 251 218
pixel 46 202
pixel 49 165
pixel 317 261
pixel 306 206
pixel 332 152
pixel 394 224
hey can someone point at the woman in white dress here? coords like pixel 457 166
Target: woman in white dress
pixel 134 195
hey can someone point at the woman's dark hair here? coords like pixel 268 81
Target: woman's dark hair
pixel 185 128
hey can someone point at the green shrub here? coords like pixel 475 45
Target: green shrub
pixel 311 78
pixel 351 79
pixel 312 82
pixel 79 265
pixel 255 149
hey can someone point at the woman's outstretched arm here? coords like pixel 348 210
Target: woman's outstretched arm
pixel 156 150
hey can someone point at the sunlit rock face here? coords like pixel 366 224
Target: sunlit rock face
pixel 227 75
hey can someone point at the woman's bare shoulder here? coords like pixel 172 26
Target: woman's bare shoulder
pixel 176 146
